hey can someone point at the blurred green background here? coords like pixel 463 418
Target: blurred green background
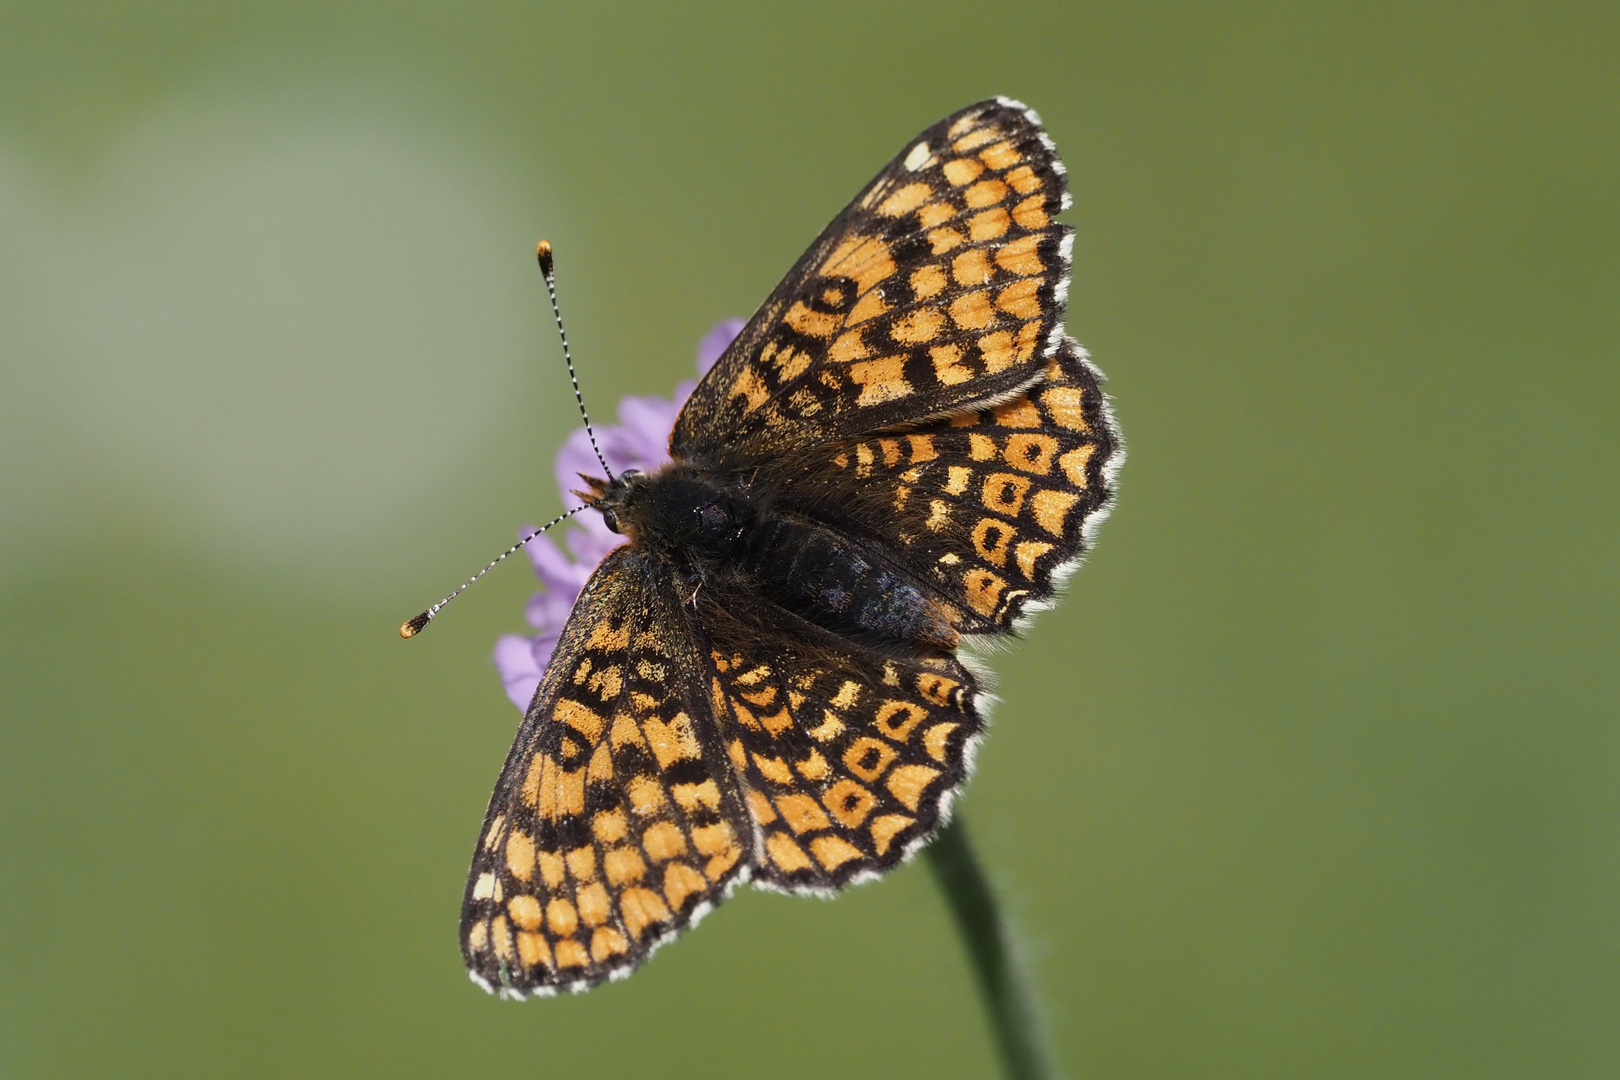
pixel 1314 774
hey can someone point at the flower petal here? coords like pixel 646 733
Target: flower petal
pixel 551 566
pixel 647 424
pixel 520 672
pixel 714 343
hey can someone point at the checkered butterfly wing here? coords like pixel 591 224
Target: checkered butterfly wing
pixel 991 508
pixel 671 752
pixel 846 754
pixel 614 823
pixel 940 286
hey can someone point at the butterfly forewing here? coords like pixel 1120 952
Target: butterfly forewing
pixel 615 820
pixel 940 286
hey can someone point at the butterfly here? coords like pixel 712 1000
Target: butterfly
pixel 901 454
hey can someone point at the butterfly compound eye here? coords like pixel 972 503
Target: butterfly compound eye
pixel 611 520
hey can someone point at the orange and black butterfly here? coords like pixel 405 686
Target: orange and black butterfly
pixel 901 453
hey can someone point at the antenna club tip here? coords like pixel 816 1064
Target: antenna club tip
pixel 542 251
pixel 414 627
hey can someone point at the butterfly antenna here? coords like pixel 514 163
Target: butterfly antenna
pixel 548 268
pixel 414 627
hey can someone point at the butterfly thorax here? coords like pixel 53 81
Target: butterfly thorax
pixel 710 525
pixel 680 513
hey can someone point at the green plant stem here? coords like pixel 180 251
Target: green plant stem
pixel 1005 986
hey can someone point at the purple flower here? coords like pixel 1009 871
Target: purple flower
pixel 639 441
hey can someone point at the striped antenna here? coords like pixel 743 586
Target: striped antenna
pixel 548 268
pixel 414 627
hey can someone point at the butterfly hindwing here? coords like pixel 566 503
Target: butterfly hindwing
pixel 992 507
pixel 846 753
pixel 940 286
pixel 615 821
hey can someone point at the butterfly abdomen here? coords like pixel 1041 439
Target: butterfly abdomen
pixel 815 568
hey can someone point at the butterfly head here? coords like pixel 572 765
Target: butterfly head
pixel 614 498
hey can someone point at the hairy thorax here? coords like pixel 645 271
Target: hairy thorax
pixel 708 525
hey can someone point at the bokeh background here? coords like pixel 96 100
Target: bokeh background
pixel 1313 775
